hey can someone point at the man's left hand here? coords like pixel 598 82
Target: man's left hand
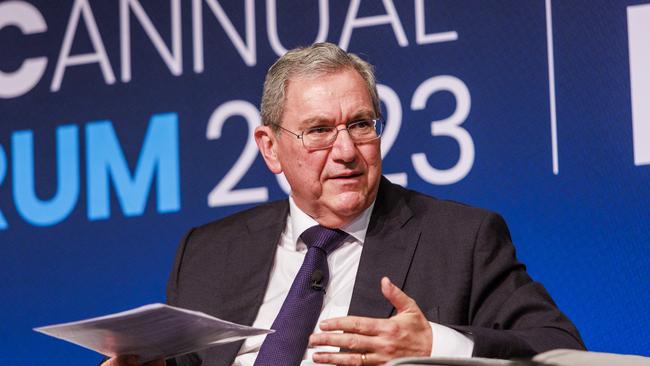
pixel 376 341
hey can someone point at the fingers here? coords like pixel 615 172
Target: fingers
pixel 353 324
pixel 376 341
pixel 401 301
pixel 351 341
pixel 351 359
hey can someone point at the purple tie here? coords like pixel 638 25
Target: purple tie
pixel 301 309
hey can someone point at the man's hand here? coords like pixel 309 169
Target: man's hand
pixel 376 341
pixel 131 361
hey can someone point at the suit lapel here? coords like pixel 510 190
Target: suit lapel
pixel 248 268
pixel 387 251
pixel 249 263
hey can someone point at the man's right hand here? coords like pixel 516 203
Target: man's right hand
pixel 131 361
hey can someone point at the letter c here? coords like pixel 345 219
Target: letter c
pixel 30 21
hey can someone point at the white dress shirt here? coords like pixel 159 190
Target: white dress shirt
pixel 343 264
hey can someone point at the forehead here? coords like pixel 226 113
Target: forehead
pixel 334 97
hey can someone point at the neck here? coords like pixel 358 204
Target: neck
pixel 330 219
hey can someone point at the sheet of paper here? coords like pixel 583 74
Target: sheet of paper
pixel 150 332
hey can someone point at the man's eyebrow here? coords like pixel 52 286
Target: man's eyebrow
pixel 320 120
pixel 307 122
pixel 362 114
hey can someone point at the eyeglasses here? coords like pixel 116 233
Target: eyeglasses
pixel 323 137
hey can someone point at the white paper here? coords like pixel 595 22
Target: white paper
pixel 150 332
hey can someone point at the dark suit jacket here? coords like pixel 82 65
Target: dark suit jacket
pixel 457 262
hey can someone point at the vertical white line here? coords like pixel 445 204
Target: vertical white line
pixel 551 85
pixel 638 28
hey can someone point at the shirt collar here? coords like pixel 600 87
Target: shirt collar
pixel 299 221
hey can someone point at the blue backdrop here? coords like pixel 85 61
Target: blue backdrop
pixel 124 123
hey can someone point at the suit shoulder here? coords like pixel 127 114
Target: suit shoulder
pixel 425 204
pixel 264 214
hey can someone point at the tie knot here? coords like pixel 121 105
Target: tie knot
pixel 323 238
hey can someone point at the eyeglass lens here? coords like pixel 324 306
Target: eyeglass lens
pixel 360 131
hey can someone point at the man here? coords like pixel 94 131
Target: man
pixel 417 276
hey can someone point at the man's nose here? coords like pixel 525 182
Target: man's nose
pixel 344 147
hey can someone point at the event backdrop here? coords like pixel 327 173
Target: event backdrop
pixel 124 123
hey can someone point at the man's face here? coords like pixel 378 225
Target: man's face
pixel 332 185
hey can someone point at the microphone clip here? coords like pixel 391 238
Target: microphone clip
pixel 316 281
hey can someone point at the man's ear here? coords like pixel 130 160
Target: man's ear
pixel 267 142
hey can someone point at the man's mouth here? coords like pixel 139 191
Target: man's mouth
pixel 347 176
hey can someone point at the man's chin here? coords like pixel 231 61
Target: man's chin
pixel 350 203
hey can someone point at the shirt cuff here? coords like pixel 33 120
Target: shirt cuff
pixel 449 342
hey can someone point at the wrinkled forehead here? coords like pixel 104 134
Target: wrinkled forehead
pixel 329 97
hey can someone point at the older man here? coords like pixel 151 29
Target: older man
pixel 352 269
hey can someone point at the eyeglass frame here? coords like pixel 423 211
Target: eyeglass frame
pixel 376 122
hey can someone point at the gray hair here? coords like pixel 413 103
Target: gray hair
pixel 317 59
